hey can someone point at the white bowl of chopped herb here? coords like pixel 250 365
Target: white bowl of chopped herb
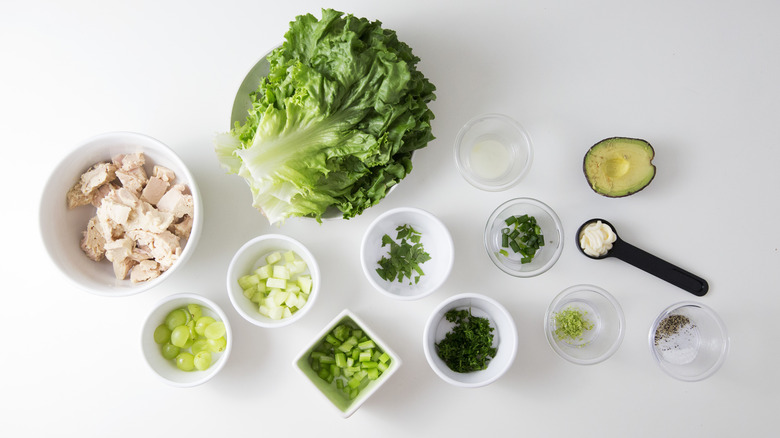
pixel 689 341
pixel 584 324
pixel 407 253
pixel 470 340
pixel 524 237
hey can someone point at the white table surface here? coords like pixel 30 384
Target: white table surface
pixel 698 79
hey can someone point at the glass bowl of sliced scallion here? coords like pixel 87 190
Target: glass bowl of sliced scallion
pixel 524 237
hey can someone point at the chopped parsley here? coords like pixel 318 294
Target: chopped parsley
pixel 404 257
pixel 469 345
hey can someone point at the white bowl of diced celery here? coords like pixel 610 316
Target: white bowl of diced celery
pixel 347 362
pixel 407 253
pixel 186 339
pixel 273 280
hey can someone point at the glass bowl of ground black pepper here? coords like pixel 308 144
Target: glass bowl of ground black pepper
pixel 470 340
pixel 584 324
pixel 689 341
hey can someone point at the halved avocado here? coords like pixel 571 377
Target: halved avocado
pixel 619 166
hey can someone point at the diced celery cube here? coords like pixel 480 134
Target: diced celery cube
pixel 382 366
pixel 264 271
pixel 365 345
pixel 368 364
pixel 258 297
pixel 281 272
pixel 250 292
pixel 248 281
pixel 373 373
pixel 279 283
pixel 296 267
pixel 341 360
pixel 278 296
pixel 384 358
pixel 305 283
pixel 291 300
pixel 365 356
pixel 273 257
pixel 276 313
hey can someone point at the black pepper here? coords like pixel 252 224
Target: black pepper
pixel 670 326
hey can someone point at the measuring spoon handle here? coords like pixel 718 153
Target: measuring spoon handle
pixel 660 268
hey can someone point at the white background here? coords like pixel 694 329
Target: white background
pixel 697 79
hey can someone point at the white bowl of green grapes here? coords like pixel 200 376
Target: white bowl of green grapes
pixel 186 339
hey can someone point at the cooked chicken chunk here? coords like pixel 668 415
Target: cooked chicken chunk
pixel 144 271
pixel 81 193
pixel 92 242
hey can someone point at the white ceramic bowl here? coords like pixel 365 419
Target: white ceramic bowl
pixel 61 228
pixel 166 369
pixel 551 229
pixel 696 348
pixel 329 391
pixel 493 152
pixel 435 239
pixel 249 257
pixel 598 307
pixel 504 339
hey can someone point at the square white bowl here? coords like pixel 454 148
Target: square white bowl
pixel 333 395
pixel 61 227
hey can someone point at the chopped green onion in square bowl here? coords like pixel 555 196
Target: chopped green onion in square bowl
pixel 347 362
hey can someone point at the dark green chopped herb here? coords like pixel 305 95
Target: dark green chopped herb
pixel 469 345
pixel 523 236
pixel 405 256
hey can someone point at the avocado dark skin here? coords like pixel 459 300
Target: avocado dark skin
pixel 619 166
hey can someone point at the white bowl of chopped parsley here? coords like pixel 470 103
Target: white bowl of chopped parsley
pixel 470 340
pixel 407 253
pixel 524 237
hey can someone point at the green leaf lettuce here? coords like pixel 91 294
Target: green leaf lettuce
pixel 335 121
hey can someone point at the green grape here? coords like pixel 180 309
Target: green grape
pixel 176 318
pixel 215 330
pixel 185 361
pixel 202 360
pixel 217 345
pixel 201 324
pixel 195 311
pixel 191 327
pixel 180 335
pixel 162 334
pixel 169 351
pixel 199 345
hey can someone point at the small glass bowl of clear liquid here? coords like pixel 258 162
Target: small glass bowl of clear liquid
pixel 493 152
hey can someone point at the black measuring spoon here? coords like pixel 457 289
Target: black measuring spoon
pixel 648 263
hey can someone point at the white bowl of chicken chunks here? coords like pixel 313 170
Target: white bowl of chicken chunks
pixel 120 214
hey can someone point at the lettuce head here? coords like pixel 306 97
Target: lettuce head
pixel 335 121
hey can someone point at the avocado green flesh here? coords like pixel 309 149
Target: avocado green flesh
pixel 619 166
